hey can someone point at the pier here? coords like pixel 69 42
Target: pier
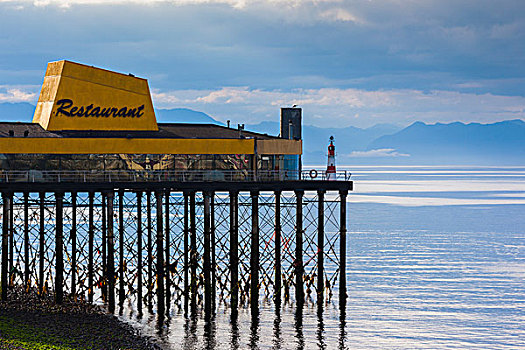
pixel 169 244
pixel 163 216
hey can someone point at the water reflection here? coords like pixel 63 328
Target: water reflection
pixel 209 334
pixel 277 336
pixel 234 333
pixel 254 332
pixel 320 327
pixel 298 322
pixel 190 333
pixel 307 326
pixel 342 325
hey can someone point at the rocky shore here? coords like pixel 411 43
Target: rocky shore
pixel 28 321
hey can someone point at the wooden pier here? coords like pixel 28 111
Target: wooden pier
pixel 168 245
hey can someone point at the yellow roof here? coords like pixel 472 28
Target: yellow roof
pixel 79 97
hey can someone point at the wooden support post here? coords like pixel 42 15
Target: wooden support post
pixel 11 238
pixel 110 265
pixel 26 240
pixel 278 281
pixel 59 248
pixel 73 236
pixel 320 247
pixel 91 241
pixel 41 243
pixel 104 248
pixel 213 258
pixel 160 259
pixel 5 244
pixel 167 247
pixel 299 268
pixel 121 293
pixel 207 255
pixel 193 253
pixel 139 252
pixel 342 248
pixel 186 250
pixel 234 252
pixel 149 247
pixel 254 255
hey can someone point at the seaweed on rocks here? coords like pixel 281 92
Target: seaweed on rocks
pixel 32 321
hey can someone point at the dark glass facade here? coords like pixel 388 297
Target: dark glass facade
pixel 66 162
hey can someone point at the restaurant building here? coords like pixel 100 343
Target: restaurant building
pixel 90 121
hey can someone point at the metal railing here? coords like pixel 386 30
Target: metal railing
pixel 168 175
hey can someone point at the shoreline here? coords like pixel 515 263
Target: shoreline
pixel 28 321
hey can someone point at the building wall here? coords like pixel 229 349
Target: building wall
pixel 139 162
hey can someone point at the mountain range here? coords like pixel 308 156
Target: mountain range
pixel 497 143
pixel 500 143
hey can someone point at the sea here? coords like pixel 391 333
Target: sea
pixel 436 260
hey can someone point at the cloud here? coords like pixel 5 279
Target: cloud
pixel 324 10
pixel 344 107
pixel 339 14
pixel 375 153
pixel 507 30
pixel 16 94
pixel 69 3
pixel 326 107
pixel 270 42
pixel 357 62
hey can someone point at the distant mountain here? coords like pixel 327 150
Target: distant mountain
pixel 316 140
pixel 265 127
pixel 23 112
pixel 16 112
pixel 347 139
pixel 184 115
pixel 457 143
pixel 420 143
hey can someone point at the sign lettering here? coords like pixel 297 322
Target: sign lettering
pixel 65 107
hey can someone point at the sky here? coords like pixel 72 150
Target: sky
pixel 345 63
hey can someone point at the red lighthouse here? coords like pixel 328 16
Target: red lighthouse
pixel 330 168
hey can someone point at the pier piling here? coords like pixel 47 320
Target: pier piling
pixel 26 240
pixel 320 247
pixel 91 239
pixel 342 247
pixel 234 252
pixel 193 253
pixel 207 253
pixel 41 241
pixel 104 277
pixel 11 237
pixel 139 252
pixel 121 292
pixel 213 254
pixel 299 268
pixel 150 248
pixel 254 257
pixel 186 250
pixel 5 236
pixel 160 258
pixel 73 237
pixel 167 247
pixel 278 281
pixel 59 248
pixel 110 265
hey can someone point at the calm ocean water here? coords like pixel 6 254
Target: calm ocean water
pixel 436 260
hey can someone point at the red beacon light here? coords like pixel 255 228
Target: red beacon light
pixel 330 168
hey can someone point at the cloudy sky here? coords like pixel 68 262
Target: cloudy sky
pixel 345 62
